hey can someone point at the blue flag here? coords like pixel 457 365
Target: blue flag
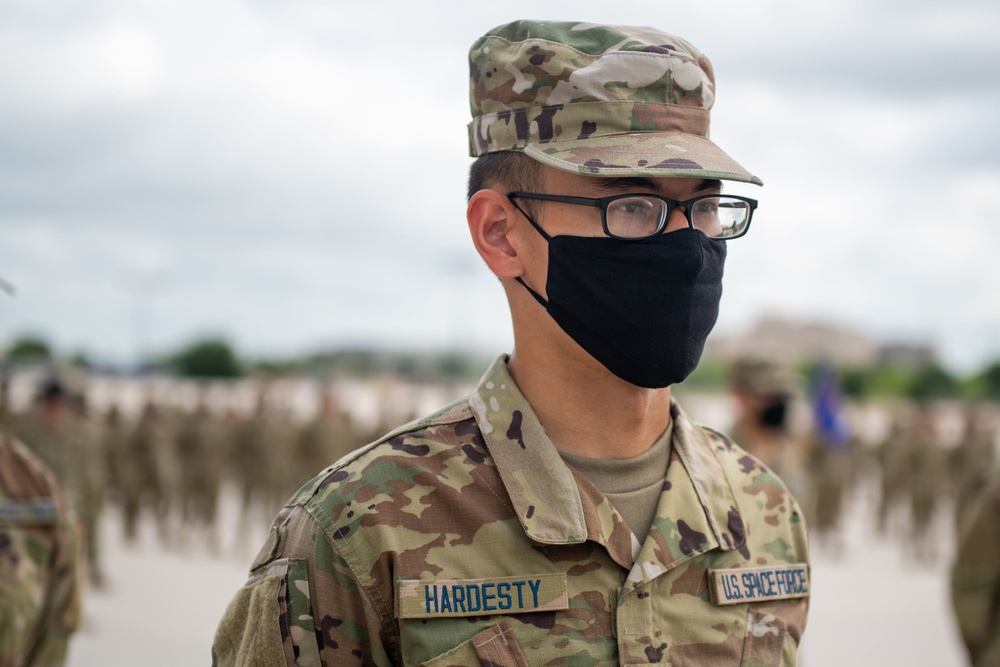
pixel 828 408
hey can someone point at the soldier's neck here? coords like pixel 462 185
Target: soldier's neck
pixel 586 410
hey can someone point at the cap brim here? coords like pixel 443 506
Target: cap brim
pixel 645 154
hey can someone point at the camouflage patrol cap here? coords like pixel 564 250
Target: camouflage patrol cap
pixel 598 100
pixel 762 376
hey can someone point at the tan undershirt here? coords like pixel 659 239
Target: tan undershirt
pixel 632 485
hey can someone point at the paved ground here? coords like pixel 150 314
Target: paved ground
pixel 872 605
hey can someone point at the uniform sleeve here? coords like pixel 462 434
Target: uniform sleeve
pixel 304 605
pixel 40 576
pixel 64 597
pixel 975 577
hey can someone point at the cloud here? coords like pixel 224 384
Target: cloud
pixel 294 174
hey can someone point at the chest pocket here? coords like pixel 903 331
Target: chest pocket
pixel 437 617
pixel 495 646
pixel 764 642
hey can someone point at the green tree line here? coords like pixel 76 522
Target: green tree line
pixel 215 357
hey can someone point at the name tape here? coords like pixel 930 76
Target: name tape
pixel 772 582
pixel 444 598
pixel 32 512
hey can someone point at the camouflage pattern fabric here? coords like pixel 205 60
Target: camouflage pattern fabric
pixel 598 100
pixel 975 579
pixel 783 454
pixel 40 588
pixel 463 539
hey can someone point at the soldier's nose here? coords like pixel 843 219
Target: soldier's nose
pixel 677 220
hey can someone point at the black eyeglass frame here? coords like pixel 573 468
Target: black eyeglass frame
pixel 603 203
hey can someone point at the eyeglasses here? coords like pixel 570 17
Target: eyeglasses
pixel 637 217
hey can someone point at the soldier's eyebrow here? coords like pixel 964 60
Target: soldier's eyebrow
pixel 625 183
pixel 709 184
pixel 629 183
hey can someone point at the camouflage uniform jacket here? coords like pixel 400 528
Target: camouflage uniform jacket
pixel 463 539
pixel 975 578
pixel 39 562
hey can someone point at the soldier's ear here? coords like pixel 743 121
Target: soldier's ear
pixel 493 223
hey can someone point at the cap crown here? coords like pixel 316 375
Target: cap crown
pixel 535 81
pixel 762 376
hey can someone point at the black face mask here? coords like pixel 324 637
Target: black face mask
pixel 643 309
pixel 773 415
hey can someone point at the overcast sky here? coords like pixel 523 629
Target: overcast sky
pixel 292 174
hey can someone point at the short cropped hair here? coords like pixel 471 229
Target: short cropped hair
pixel 504 171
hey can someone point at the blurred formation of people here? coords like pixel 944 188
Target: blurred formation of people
pixel 167 465
pixel 923 468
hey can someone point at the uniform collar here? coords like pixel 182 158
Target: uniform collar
pixel 697 511
pixel 539 483
pixel 557 506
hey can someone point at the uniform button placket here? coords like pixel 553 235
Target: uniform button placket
pixel 633 622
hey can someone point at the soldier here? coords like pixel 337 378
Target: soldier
pixel 40 590
pixel 279 436
pixel 142 478
pixel 973 458
pixel 58 430
pixel 829 456
pixel 200 458
pixel 763 391
pixel 325 438
pixel 46 427
pixel 114 436
pixel 568 511
pixel 975 578
pixel 90 481
pixel 249 454
pixel 928 467
pixel 894 467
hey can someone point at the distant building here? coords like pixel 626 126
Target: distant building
pixel 795 342
pixel 791 342
pixel 907 355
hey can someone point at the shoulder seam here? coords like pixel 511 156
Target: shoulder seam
pixel 382 608
pixel 436 419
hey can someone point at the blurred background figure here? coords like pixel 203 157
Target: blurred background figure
pixel 142 476
pixel 975 577
pixel 56 427
pixel 928 483
pixel 893 459
pixel 325 438
pixel 830 454
pixel 90 480
pixel 763 391
pixel 250 459
pixel 40 589
pixel 199 446
pixel 114 435
pixel 974 456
